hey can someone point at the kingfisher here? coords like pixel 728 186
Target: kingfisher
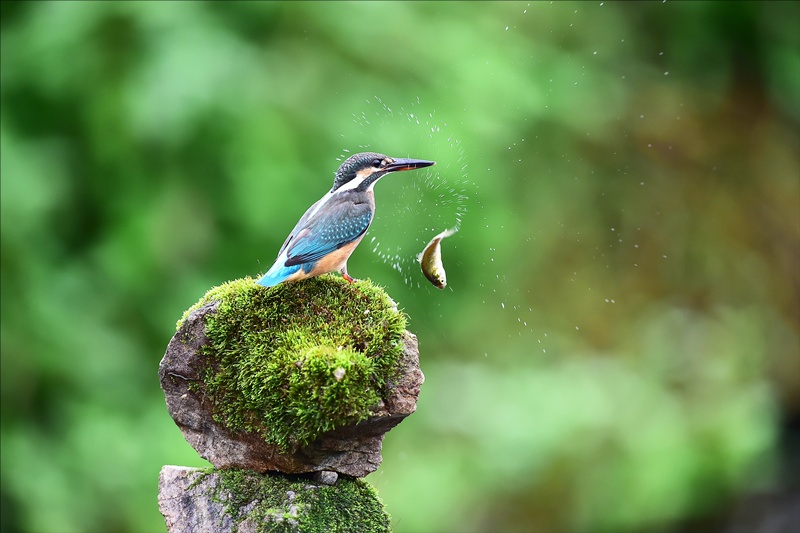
pixel 330 230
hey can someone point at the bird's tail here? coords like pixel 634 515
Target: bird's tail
pixel 277 274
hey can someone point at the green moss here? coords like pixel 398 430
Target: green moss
pixel 296 360
pixel 280 503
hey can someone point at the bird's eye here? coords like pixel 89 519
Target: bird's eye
pixel 377 163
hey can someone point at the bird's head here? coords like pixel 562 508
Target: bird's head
pixel 361 171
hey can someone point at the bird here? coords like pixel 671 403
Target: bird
pixel 329 231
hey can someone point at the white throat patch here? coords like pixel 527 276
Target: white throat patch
pixel 358 180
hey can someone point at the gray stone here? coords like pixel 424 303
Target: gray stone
pixel 188 509
pixel 326 477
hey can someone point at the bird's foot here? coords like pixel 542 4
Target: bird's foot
pixel 348 278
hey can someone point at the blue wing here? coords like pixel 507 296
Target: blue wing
pixel 339 222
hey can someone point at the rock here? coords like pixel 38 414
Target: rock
pixel 183 510
pixel 194 500
pixel 352 448
pixel 326 477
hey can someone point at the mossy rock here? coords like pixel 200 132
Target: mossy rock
pixel 300 367
pixel 245 501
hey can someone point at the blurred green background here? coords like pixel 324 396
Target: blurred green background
pixel 617 349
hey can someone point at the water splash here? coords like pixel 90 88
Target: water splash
pixel 414 206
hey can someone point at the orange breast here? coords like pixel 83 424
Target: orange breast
pixel 334 261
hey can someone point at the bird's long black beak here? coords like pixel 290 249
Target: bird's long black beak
pixel 408 164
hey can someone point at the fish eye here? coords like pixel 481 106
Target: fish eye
pixel 377 163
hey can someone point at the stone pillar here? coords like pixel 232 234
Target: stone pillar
pixel 288 392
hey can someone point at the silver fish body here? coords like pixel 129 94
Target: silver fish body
pixel 431 259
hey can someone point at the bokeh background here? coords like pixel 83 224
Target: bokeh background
pixel 617 349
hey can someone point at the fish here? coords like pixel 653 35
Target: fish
pixel 431 259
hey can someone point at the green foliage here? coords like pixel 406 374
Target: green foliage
pixel 620 336
pixel 297 360
pixel 287 504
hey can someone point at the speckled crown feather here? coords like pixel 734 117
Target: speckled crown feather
pixel 351 165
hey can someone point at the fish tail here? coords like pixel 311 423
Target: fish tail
pixel 448 232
